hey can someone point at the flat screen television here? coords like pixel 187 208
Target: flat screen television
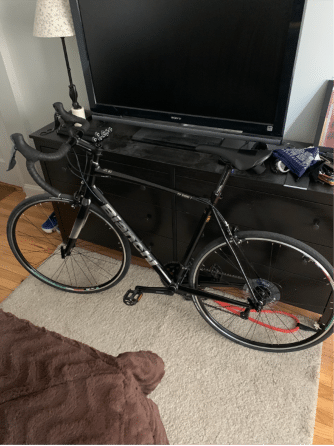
pixel 209 67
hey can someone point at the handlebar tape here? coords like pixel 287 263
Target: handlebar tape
pixel 39 180
pixel 32 156
pixel 70 120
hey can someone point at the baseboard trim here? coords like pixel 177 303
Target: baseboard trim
pixel 12 177
pixel 31 189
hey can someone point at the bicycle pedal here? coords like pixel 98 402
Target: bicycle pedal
pixel 132 297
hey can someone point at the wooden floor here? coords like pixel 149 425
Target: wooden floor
pixel 12 274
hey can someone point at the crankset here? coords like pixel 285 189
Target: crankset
pixel 173 269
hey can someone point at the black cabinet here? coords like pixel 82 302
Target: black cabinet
pixel 166 222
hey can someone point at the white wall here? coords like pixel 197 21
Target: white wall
pixel 315 65
pixel 37 75
pixel 10 115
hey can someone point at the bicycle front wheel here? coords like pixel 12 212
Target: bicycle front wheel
pixel 90 267
pixel 293 281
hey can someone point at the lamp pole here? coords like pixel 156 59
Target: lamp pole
pixel 73 90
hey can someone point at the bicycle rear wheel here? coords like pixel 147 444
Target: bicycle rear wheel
pixel 90 267
pixel 294 282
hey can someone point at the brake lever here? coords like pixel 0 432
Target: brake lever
pixel 12 161
pixel 71 119
pixel 55 126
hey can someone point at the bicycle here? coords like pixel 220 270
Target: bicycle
pixel 263 290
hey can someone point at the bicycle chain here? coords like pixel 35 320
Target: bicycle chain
pixel 224 274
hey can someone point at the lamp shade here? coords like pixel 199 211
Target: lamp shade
pixel 53 18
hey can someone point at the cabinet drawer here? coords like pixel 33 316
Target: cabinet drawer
pixel 267 182
pixel 146 195
pixel 137 192
pixel 141 217
pixel 107 162
pixel 186 227
pixel 323 250
pixel 303 220
pixel 182 245
pixel 161 247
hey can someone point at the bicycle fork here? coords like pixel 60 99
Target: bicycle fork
pixel 76 229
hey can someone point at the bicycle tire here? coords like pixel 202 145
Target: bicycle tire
pixel 290 320
pixel 90 267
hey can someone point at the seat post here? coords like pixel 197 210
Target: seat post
pixel 216 194
pixel 206 217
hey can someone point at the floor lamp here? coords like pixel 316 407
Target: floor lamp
pixel 53 18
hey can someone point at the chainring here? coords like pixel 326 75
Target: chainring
pixel 173 269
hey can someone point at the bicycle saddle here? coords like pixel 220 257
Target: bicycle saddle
pixel 241 159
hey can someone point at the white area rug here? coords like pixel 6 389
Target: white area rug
pixel 214 391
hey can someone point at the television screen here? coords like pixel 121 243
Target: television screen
pixel 224 64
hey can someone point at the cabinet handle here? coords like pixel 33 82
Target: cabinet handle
pixel 316 224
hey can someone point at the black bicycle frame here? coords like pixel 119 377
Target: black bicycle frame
pixel 95 171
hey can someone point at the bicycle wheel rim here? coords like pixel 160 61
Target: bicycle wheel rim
pixel 308 316
pixel 91 267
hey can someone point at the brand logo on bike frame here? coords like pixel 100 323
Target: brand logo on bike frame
pixel 129 234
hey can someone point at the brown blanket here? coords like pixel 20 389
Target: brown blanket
pixel 54 390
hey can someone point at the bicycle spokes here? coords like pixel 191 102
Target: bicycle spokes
pixel 276 319
pixel 293 289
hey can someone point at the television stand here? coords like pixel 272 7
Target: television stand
pixel 187 141
pixel 165 222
